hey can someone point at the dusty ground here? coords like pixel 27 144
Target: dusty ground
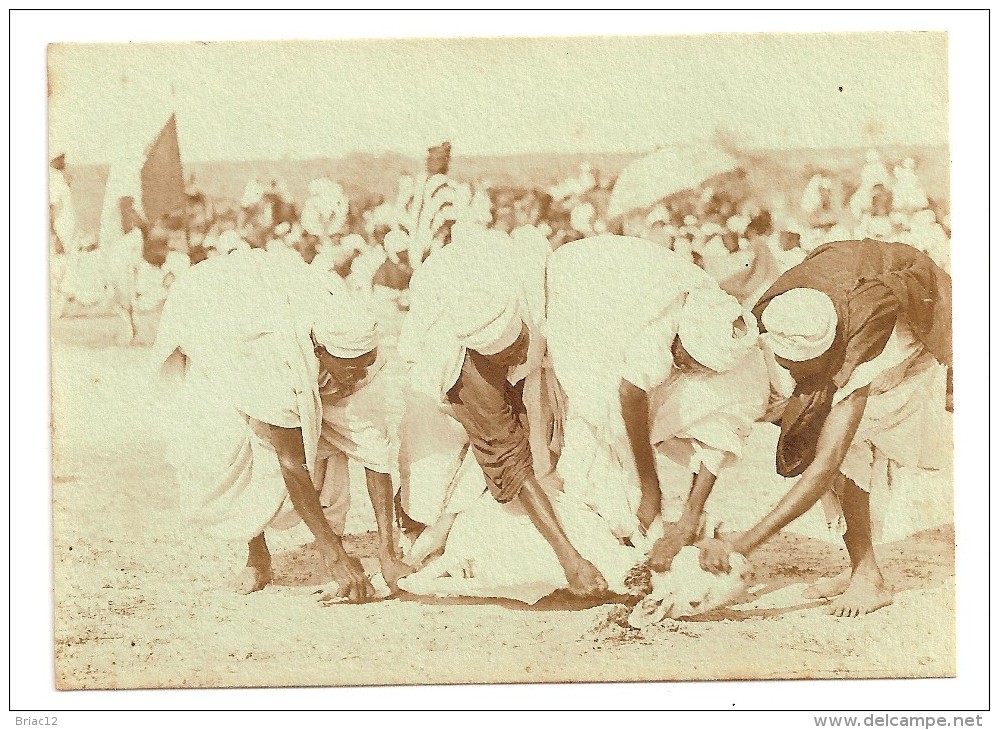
pixel 142 602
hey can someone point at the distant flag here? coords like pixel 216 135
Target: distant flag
pixel 162 175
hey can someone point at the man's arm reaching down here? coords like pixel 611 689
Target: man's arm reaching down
pixel 344 569
pixel 635 411
pixel 834 439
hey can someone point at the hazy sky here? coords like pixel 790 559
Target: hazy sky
pixel 237 101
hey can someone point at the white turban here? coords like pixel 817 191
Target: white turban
pixel 800 324
pixel 476 293
pixel 487 320
pixel 341 324
pixel 709 331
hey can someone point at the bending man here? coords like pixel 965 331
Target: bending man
pixel 652 356
pixel 855 332
pixel 271 354
pixel 473 335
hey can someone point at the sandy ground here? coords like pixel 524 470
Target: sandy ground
pixel 141 601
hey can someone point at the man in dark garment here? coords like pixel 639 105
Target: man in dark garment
pixel 467 351
pixel 855 321
pixel 494 416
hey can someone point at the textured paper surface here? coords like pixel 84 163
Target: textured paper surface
pixel 142 600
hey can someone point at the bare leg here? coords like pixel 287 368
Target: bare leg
pixel 867 591
pixel 257 573
pixel 583 577
pixel 430 543
pixel 406 523
pixel 319 475
pixel 380 492
pixel 837 584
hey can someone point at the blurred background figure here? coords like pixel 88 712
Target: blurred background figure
pixel 908 194
pixel 876 221
pixel 62 212
pixel 62 230
pixel 874 173
pixel 816 200
pixel 325 212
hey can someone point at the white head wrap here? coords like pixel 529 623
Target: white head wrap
pixel 487 320
pixel 476 293
pixel 340 323
pixel 709 331
pixel 800 324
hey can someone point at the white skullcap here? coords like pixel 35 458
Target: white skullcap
pixel 708 328
pixel 800 324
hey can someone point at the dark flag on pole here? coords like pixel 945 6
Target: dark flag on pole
pixel 162 175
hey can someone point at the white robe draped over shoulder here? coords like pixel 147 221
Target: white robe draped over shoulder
pixel 241 327
pixel 614 304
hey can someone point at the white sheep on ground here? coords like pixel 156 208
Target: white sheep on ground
pixel 687 590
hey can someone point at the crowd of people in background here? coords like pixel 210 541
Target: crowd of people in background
pixel 742 237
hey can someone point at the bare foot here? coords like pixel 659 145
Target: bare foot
pixel 393 570
pixel 585 581
pixel 828 587
pixel 253 579
pixel 864 595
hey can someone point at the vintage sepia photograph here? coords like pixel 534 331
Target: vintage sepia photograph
pixel 501 360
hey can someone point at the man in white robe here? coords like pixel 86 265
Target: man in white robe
pixel 272 356
pixel 653 357
pixel 63 246
pixel 62 212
